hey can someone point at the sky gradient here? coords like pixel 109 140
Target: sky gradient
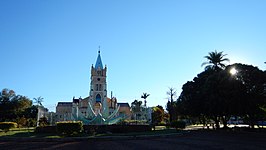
pixel 47 47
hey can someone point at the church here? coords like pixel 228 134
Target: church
pixel 97 108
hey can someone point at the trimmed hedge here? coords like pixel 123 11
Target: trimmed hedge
pixel 178 124
pixel 46 129
pixel 69 127
pixel 6 126
pixel 91 129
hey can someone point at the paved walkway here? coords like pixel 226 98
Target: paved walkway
pixel 192 140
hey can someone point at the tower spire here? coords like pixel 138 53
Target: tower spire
pixel 99 61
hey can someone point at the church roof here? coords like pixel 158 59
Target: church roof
pixel 123 104
pixel 64 103
pixel 99 62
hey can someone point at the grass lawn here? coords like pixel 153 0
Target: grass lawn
pixel 25 132
pixel 29 133
pixel 17 131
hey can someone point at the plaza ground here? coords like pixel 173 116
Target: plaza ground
pixel 200 139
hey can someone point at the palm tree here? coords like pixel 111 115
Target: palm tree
pixel 215 60
pixel 38 101
pixel 145 96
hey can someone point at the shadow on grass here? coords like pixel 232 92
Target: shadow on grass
pixel 26 133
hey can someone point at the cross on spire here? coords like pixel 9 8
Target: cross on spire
pixel 99 51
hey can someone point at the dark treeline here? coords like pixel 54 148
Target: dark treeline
pixel 17 108
pixel 221 92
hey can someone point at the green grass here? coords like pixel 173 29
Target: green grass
pixel 29 133
pixel 25 132
pixel 18 132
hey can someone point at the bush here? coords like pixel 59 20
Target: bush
pixel 46 129
pixel 43 122
pixel 6 126
pixel 93 129
pixel 69 127
pixel 178 124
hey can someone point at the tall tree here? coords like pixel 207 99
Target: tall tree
pixel 136 108
pixel 7 95
pixel 12 106
pixel 218 95
pixel 215 60
pixel 145 96
pixel 136 105
pixel 254 81
pixel 172 94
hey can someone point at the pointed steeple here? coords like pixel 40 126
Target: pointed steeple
pixel 99 61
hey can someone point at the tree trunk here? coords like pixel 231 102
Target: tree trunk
pixel 216 120
pixel 224 120
pixel 251 121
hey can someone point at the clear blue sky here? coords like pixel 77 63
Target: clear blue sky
pixel 48 46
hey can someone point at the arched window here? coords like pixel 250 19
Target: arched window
pixel 98 98
pixel 97 87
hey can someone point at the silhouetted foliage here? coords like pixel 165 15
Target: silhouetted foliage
pixel 145 96
pixel 219 95
pixel 215 60
pixel 178 124
pixel 16 107
pixel 136 106
pixel 170 104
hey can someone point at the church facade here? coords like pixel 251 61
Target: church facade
pixel 97 108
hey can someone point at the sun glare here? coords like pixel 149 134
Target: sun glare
pixel 233 71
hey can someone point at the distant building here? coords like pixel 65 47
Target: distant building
pixel 97 108
pixel 42 112
pixel 125 110
pixel 64 111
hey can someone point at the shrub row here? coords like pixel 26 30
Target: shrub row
pixel 116 128
pixel 72 128
pixel 6 126
pixel 46 129
pixel 69 127
pixel 178 124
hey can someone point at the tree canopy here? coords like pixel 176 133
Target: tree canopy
pixel 15 107
pixel 218 95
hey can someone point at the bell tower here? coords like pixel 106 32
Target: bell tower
pixel 98 89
